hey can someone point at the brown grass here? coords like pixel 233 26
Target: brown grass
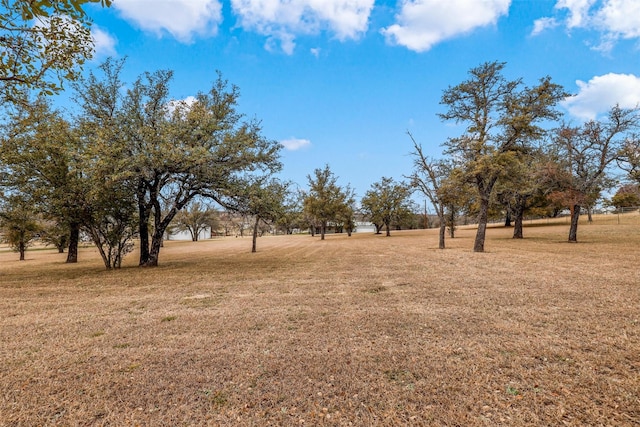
pixel 364 330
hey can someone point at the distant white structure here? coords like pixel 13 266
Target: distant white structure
pixel 185 235
pixel 365 227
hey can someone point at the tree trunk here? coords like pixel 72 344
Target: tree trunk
pixel 519 218
pixel 507 219
pixel 144 213
pixel 144 239
pixel 158 236
pixel 74 240
pixel 388 229
pixel 255 235
pixel 590 214
pixel 483 216
pixel 22 248
pixel 441 234
pixel 95 236
pixel 573 229
pixel 323 230
pixel 154 252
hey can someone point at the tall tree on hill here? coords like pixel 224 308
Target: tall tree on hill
pixel 173 151
pixel 326 200
pixel 43 43
pixel 386 201
pixel 584 156
pixel 500 117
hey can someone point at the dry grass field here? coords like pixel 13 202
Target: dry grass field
pixel 361 331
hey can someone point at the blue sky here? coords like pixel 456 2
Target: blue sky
pixel 339 82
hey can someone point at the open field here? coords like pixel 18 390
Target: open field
pixel 364 330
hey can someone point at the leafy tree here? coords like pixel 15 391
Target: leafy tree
pixel 112 229
pixel 627 195
pixel 55 233
pixel 195 218
pixel 326 200
pixel 345 219
pixel 500 117
pixel 41 155
pixel 292 216
pixel 523 186
pixel 264 201
pixel 584 155
pixel 19 224
pixel 43 43
pixel 174 151
pixel 457 194
pixel 386 202
pixel 111 216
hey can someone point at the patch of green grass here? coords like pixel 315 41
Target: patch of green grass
pixel 217 398
pixel 513 391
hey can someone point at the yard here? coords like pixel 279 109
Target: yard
pixel 366 330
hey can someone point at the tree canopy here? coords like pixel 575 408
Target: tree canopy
pixel 385 202
pixel 43 43
pixel 500 117
pixel 172 151
pixel 585 154
pixel 326 201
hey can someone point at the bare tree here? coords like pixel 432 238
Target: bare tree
pixel 428 176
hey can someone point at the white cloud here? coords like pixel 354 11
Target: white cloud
pixel 613 19
pixel 423 23
pixel 283 20
pixel 180 18
pixel 540 25
pixel 578 11
pixel 620 18
pixel 184 105
pixel 293 144
pixel 601 93
pixel 104 43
